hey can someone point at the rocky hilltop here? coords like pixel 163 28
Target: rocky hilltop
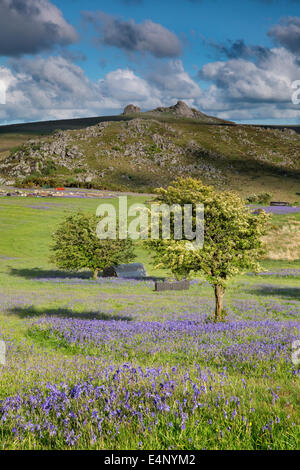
pixel 142 150
pixel 178 110
pixel 181 109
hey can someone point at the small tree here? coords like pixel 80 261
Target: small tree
pixel 76 246
pixel 232 237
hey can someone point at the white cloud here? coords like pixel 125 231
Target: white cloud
pixel 174 83
pixel 56 88
pixel 256 90
pixel 126 87
pixel 47 89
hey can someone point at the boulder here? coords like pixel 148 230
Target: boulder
pixel 126 271
pixel 131 109
pixel 182 109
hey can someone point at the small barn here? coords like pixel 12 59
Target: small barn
pixel 126 271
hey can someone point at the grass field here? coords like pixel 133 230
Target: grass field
pixel 111 364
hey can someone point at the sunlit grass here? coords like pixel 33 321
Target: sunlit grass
pixel 150 387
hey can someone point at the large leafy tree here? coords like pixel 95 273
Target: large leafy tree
pixel 76 246
pixel 232 237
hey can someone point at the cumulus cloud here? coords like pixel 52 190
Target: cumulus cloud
pixel 146 37
pixel 56 88
pixel 174 83
pixel 287 33
pixel 256 90
pixel 46 89
pixel 126 87
pixel 255 83
pixel 163 86
pixel 31 26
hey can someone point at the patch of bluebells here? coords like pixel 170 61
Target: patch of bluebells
pixel 280 210
pixel 290 272
pixel 259 310
pixel 232 342
pixel 11 345
pixel 112 282
pixel 181 307
pixel 85 400
pixel 84 279
pixel 141 402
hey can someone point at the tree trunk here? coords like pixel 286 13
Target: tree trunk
pixel 95 274
pixel 219 295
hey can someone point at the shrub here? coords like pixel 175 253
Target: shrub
pixel 261 198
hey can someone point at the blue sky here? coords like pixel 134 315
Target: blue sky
pixel 73 58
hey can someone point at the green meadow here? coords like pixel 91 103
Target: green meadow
pixel 112 364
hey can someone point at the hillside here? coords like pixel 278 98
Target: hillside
pixel 140 151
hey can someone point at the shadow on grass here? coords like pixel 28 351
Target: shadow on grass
pixel 37 273
pixel 31 311
pixel 285 292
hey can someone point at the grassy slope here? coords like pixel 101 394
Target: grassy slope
pixel 247 159
pixel 28 222
pixel 26 227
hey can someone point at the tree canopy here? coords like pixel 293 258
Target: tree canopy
pixel 76 246
pixel 232 236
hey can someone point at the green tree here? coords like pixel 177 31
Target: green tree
pixel 232 237
pixel 76 246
